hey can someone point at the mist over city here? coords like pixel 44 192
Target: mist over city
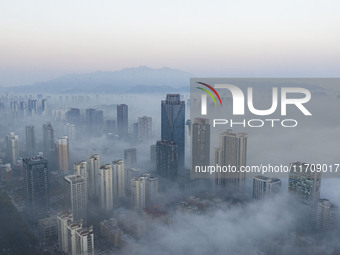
pixel 169 127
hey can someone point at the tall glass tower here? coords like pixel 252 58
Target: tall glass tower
pixel 122 120
pixel 36 186
pixel 173 123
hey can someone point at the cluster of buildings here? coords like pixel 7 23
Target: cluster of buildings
pixel 121 180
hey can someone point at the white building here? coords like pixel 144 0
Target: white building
pixel 118 179
pixel 76 199
pixel 105 188
pixel 143 189
pixel 93 168
pixel 12 147
pixel 265 187
pixel 232 151
pixel 84 241
pixel 73 238
pixel 80 168
pixel 63 219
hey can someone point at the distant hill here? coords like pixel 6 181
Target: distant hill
pixel 129 80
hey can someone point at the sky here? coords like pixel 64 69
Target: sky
pixel 44 39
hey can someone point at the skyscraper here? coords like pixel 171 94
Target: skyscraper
pixel 49 146
pixel 130 157
pixel 72 228
pixel 12 147
pixel 63 153
pixel 144 129
pixel 36 179
pixel 118 179
pixel 63 218
pixel 173 123
pixel 143 190
pixel 167 159
pixel 105 187
pixel 135 132
pixel 153 154
pixel 76 197
pixel 30 141
pixel 304 183
pixel 85 241
pixel 95 121
pixel 73 116
pixel 327 216
pixel 128 175
pixel 265 187
pixel 233 152
pixel 200 143
pixel 73 238
pixel 80 168
pixel 122 120
pixel 138 191
pixel 151 189
pixel 93 168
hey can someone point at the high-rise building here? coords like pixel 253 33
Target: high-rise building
pixel 63 218
pixel 135 132
pixel 12 147
pixel 36 179
pixel 118 178
pixel 30 141
pixel 200 147
pixel 144 129
pixel 327 216
pixel 80 168
pixel 105 187
pixel 49 146
pixel 95 121
pixel 76 197
pixel 265 187
pixel 32 106
pixel 73 116
pixel 129 174
pixel 151 189
pixel 93 167
pixel 73 238
pixel 153 154
pixel 85 241
pixel 143 189
pixel 44 105
pixel 304 182
pixel 63 153
pixel 167 159
pixel 173 123
pixel 233 152
pixel 110 232
pixel 48 229
pixel 130 157
pixel 72 228
pixel 122 120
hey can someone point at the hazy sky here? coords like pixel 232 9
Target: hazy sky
pixel 42 39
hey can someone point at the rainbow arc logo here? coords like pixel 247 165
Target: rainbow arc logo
pixel 209 93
